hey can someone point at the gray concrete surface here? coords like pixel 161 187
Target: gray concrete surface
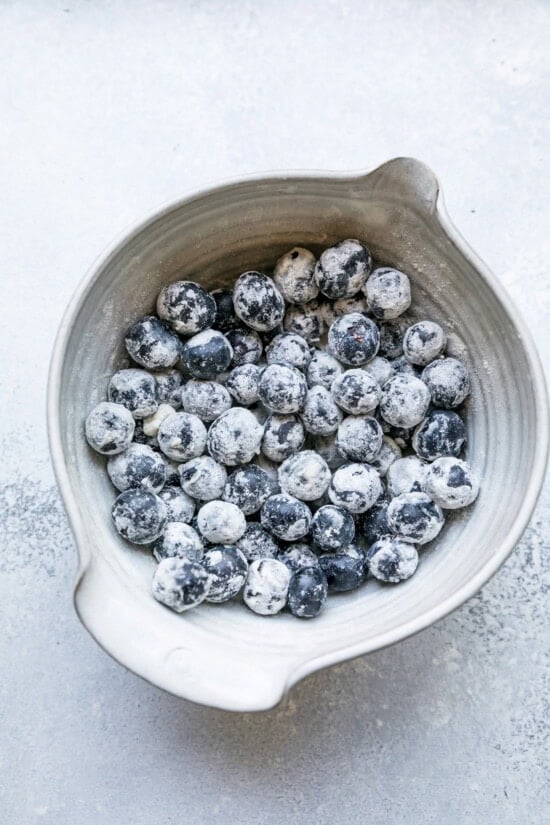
pixel 109 109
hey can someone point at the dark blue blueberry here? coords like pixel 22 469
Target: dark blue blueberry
pixel 227 567
pixel 342 270
pixel 448 382
pixel 246 344
pixel 258 302
pixel 139 515
pixel 441 433
pixel 375 522
pixel 138 466
pixel 225 311
pixel 249 487
pixel 415 517
pixel 286 517
pixel 353 339
pixel 136 390
pixel 152 344
pixel 187 307
pixel 307 592
pixel 298 556
pixel 257 543
pixel 344 571
pixel 206 354
pixel 332 528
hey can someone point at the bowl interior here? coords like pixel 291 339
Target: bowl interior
pixel 212 238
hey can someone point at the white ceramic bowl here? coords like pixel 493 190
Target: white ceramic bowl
pixel 227 656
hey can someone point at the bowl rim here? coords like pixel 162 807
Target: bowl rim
pixel 531 494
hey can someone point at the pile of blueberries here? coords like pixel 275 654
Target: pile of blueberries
pixel 286 438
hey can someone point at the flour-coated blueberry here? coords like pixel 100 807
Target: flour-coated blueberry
pixel 109 428
pixel 227 568
pixel 389 452
pixel 401 366
pixel 294 276
pixel 257 301
pixel 359 438
pixel 355 487
pixel 404 401
pixel 282 389
pixel 392 560
pixel 441 433
pixel 353 339
pixel 235 437
pixel 374 523
pixel 137 466
pixel 332 528
pixel 139 515
pixel 203 478
pixel 343 306
pixel 187 307
pixel 305 320
pixel 172 473
pixel 257 543
pixel 327 448
pixel 221 522
pixel 249 487
pixel 406 475
pixel 243 383
pixel 343 269
pixel 307 592
pixel 323 369
pixel 451 483
pixel 290 349
pixel 225 318
pixel 320 415
pixel 180 583
pixel 179 506
pixel 182 436
pixel 178 539
pixel 388 293
pixel 423 342
pixel 356 392
pixel 246 345
pixel 380 369
pixel 152 344
pixel 298 556
pixel 205 399
pixel 266 587
pixel 286 517
pixel 134 389
pixel 304 475
pixel 391 337
pixel 344 570
pixel 415 517
pixel 283 436
pixel 448 382
pixel 169 384
pixel 206 354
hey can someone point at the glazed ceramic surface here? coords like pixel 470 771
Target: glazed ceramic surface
pixel 227 656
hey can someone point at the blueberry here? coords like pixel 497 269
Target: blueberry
pixel 423 342
pixel 375 522
pixel 138 466
pixel 353 339
pixel 136 390
pixel 294 276
pixel 298 556
pixel 205 399
pixel 342 270
pixel 286 517
pixel 320 414
pixel 257 543
pixel 225 318
pixel 182 436
pixel 187 307
pixel 392 560
pixel 356 392
pixel 405 400
pixel 257 301
pixel 246 344
pixel 323 369
pixel 282 389
pixel 203 478
pixel 332 528
pixel 179 506
pixel 451 483
pixel 305 320
pixel 401 366
pixel 266 587
pixel 180 584
pixel 345 570
pixel 389 452
pixel 206 354
pixel 388 293
pixel 290 349
pixel 139 515
pixel 152 344
pixel 441 433
pixel 343 306
pixel 228 569
pixel 448 382
pixel 359 438
pixel 109 428
pixel 380 369
pixel 391 337
pixel 249 487
pixel 307 592
pixel 221 522
pixel 406 475
pixel 172 474
pixel 235 437
pixel 243 383
pixel 415 517
pixel 305 476
pixel 169 383
pixel 178 539
pixel 283 436
pixel 355 487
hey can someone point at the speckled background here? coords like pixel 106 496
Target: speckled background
pixel 109 109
